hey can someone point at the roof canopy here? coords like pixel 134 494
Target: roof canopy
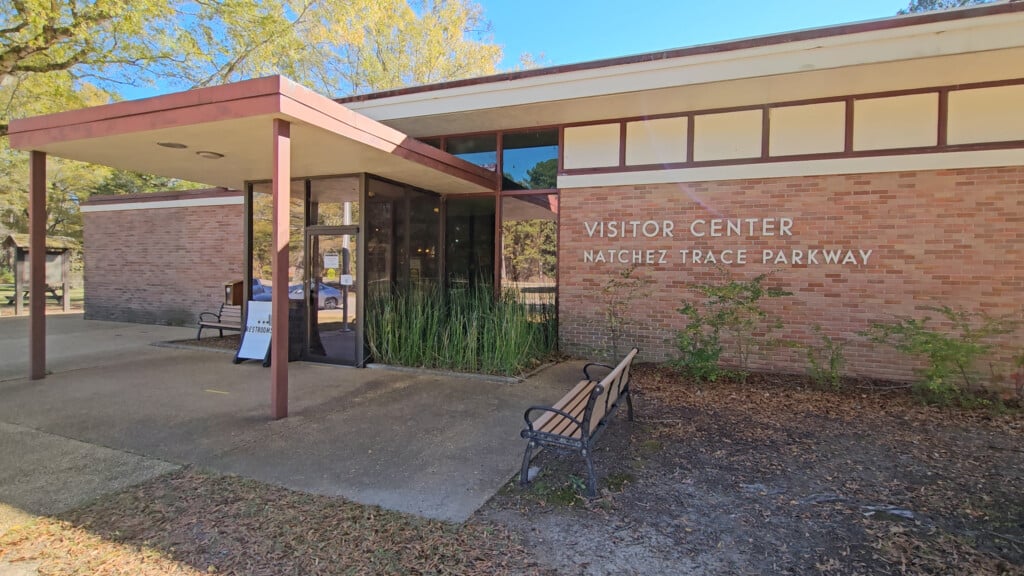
pixel 21 241
pixel 223 136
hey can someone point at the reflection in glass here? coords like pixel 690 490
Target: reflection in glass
pixel 469 241
pixel 332 302
pixel 334 201
pixel 481 149
pixel 424 236
pixel 529 227
pixel 403 234
pixel 385 215
pixel 529 160
pixel 262 237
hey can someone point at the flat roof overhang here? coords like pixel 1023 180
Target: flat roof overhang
pixel 236 120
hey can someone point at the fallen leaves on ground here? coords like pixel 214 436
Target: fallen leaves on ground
pixel 191 522
pixel 770 475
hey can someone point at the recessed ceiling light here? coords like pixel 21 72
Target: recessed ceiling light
pixel 209 155
pixel 177 145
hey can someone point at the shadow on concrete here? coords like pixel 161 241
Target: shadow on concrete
pixel 427 445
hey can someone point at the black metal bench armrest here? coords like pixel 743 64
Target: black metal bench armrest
pixel 213 317
pixel 562 413
pixel 586 370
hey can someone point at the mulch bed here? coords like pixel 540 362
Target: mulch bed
pixel 770 476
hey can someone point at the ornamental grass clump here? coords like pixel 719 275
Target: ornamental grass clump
pixel 465 329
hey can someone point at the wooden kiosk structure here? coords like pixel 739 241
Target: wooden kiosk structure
pixel 58 269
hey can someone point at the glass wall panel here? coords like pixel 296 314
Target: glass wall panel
pixel 469 241
pixel 529 160
pixel 262 239
pixel 481 149
pixel 424 236
pixel 529 228
pixel 386 232
pixel 334 201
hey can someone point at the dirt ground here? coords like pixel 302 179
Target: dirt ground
pixel 766 477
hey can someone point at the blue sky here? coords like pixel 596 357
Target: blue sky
pixel 567 31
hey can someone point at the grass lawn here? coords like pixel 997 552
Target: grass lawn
pixel 7 290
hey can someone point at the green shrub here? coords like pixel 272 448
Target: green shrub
pixel 465 329
pixel 950 353
pixel 731 308
pixel 618 295
pixel 825 362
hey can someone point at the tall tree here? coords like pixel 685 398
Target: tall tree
pixel 63 54
pixel 930 5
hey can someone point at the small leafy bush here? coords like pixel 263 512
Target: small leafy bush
pixel 729 308
pixel 950 353
pixel 825 362
pixel 618 296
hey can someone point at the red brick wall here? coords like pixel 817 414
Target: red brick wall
pixel 951 237
pixel 161 265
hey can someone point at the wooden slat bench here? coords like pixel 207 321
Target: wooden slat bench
pixel 575 422
pixel 227 318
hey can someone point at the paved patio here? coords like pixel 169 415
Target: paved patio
pixel 423 444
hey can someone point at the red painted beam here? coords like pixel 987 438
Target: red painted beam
pixel 281 190
pixel 37 262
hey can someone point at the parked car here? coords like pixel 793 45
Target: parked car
pixel 261 292
pixel 328 297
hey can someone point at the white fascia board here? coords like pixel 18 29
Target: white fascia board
pixel 924 41
pixel 834 166
pixel 150 205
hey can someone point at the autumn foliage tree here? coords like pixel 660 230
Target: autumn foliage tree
pixel 64 54
pixel 916 6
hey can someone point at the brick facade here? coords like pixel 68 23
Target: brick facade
pixel 951 237
pixel 161 265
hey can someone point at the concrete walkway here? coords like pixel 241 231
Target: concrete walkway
pixel 428 445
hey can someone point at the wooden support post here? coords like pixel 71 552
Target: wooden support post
pixel 65 265
pixel 37 265
pixel 19 282
pixel 281 190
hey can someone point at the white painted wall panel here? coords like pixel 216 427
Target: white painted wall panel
pixel 896 122
pixel 660 141
pixel 591 146
pixel 808 129
pixel 986 115
pixel 727 135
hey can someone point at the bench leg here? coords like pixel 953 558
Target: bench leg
pixel 221 333
pixel 629 405
pixel 591 477
pixel 524 473
pixel 199 334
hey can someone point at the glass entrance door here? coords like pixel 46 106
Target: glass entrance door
pixel 335 327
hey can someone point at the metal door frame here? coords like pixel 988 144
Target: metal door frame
pixel 354 230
